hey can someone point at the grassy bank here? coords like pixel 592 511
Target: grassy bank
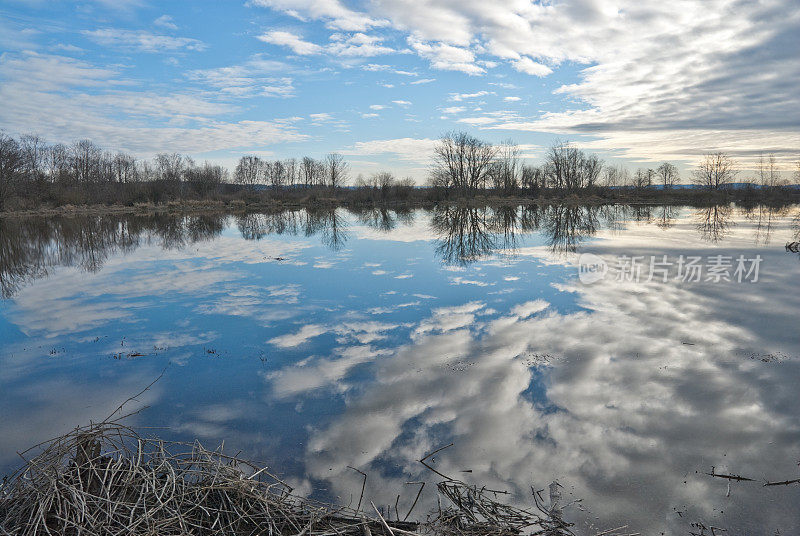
pixel 133 198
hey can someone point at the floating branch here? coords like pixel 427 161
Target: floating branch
pixel 783 482
pixel 737 478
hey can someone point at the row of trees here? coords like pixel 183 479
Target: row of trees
pixel 32 169
pixel 331 172
pixel 461 162
pixel 465 163
pixel 84 162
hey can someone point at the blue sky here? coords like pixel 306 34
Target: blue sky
pixel 380 80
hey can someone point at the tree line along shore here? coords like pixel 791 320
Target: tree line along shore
pixel 36 176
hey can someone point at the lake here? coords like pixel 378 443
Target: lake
pixel 623 352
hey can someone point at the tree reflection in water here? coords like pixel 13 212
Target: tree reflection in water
pixel 463 235
pixel 327 223
pixel 713 223
pixel 30 247
pixel 764 217
pixel 467 234
pixel 665 216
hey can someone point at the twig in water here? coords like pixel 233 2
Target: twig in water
pixel 422 485
pixel 363 485
pixel 783 482
pixel 119 408
pixel 422 461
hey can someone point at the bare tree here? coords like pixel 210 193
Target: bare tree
pixel 667 175
pixel 249 171
pixel 145 171
pixel 306 170
pixel 591 166
pixel 383 180
pixel 448 164
pixel 11 165
pixel 170 167
pixel 336 170
pixel 768 176
pixel 461 161
pixel 643 178
pixel 85 161
pixel 277 174
pixel 107 168
pixel 505 171
pixel 34 153
pixel 312 172
pixel 533 178
pixel 291 171
pixel 614 176
pixel 568 168
pixel 206 178
pixel 716 171
pixel 124 168
pixel 58 163
pixel 713 222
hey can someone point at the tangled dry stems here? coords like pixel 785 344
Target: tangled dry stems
pixel 106 479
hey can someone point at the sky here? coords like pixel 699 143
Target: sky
pixel 379 81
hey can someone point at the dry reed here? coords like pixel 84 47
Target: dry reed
pixel 106 479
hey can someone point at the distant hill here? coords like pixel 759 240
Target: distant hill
pixel 731 186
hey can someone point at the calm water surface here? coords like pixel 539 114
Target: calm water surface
pixel 316 341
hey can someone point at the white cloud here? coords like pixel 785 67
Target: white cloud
pixel 255 77
pixel 320 373
pixel 337 15
pixel 166 21
pixel 665 81
pixel 512 99
pixel 321 117
pixel 453 110
pixel 357 45
pixel 290 40
pixel 121 5
pixel 346 46
pixel 524 310
pixel 569 396
pixel 446 319
pixel 447 57
pixel 714 71
pixel 35 84
pixel 458 97
pixel 528 66
pixel 305 333
pixel 478 121
pixel 374 67
pixel 409 149
pixel 142 41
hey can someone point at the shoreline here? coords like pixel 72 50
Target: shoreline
pixel 313 202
